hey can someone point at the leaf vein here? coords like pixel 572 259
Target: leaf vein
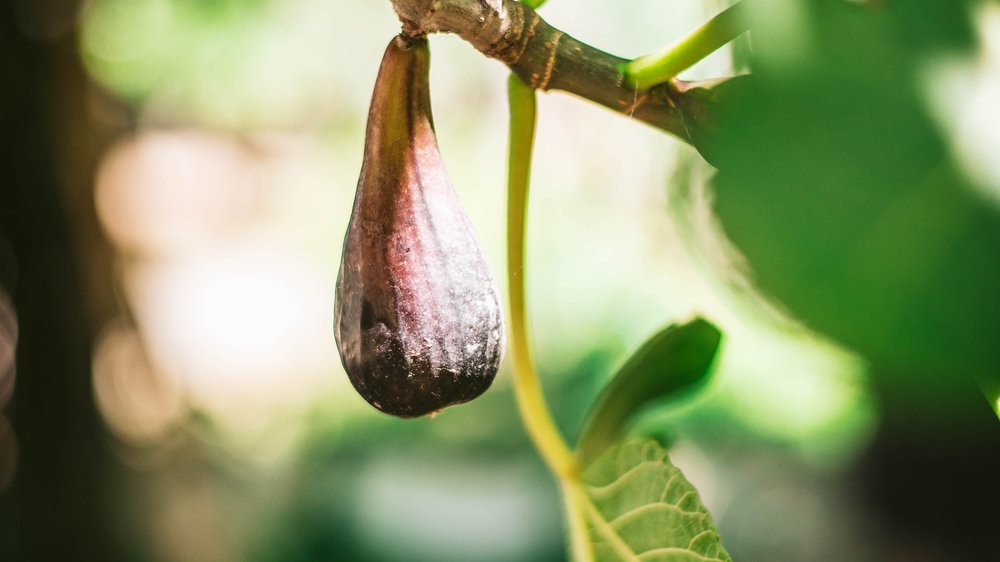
pixel 666 487
pixel 644 509
pixel 604 529
pixel 698 536
pixel 677 550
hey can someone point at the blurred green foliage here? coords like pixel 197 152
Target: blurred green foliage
pixel 236 64
pixel 840 187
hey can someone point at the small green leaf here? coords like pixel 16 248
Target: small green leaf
pixel 672 361
pixel 641 507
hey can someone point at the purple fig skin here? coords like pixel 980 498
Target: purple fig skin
pixel 417 318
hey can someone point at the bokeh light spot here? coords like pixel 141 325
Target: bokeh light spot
pixel 138 404
pixel 170 192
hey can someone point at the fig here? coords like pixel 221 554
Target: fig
pixel 417 317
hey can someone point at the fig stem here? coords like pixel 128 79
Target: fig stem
pixel 663 66
pixel 527 388
pixel 548 58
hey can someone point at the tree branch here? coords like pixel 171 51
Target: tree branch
pixel 548 59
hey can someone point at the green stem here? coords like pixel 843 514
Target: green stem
pixel 533 3
pixel 991 390
pixel 527 387
pixel 575 499
pixel 535 415
pixel 657 68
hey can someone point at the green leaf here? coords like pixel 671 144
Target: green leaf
pixel 838 185
pixel 641 507
pixel 669 363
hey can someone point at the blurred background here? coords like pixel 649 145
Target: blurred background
pixel 177 179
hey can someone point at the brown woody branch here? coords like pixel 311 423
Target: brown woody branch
pixel 549 59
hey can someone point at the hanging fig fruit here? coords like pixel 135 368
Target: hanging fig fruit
pixel 417 318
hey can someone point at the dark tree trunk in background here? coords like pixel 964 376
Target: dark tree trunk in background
pixel 57 507
pixel 931 475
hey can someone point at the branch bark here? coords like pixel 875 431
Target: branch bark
pixel 546 58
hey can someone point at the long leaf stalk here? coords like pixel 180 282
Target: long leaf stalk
pixel 527 387
pixel 534 413
pixel 661 67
